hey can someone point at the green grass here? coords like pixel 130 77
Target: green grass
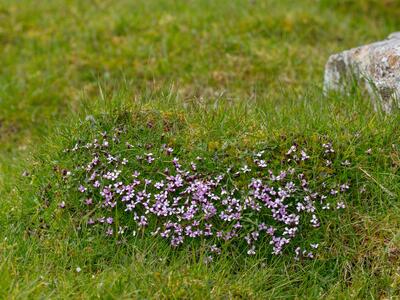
pixel 235 74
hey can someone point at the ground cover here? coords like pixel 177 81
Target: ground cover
pixel 218 80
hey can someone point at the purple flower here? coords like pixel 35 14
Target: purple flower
pixel 143 221
pixel 344 187
pixel 150 158
pixel 304 155
pixel 273 206
pixel 314 221
pixel 215 249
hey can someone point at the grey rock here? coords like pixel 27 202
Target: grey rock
pixel 375 67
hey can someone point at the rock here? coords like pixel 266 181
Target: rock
pixel 375 67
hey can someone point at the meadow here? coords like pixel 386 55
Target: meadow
pixel 220 80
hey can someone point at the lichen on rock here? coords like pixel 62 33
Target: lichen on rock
pixel 375 67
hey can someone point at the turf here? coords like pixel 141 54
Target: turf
pixel 234 75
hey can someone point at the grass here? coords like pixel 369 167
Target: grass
pixel 235 74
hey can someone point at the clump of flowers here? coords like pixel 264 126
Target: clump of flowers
pixel 158 191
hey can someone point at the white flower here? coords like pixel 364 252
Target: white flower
pixel 245 169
